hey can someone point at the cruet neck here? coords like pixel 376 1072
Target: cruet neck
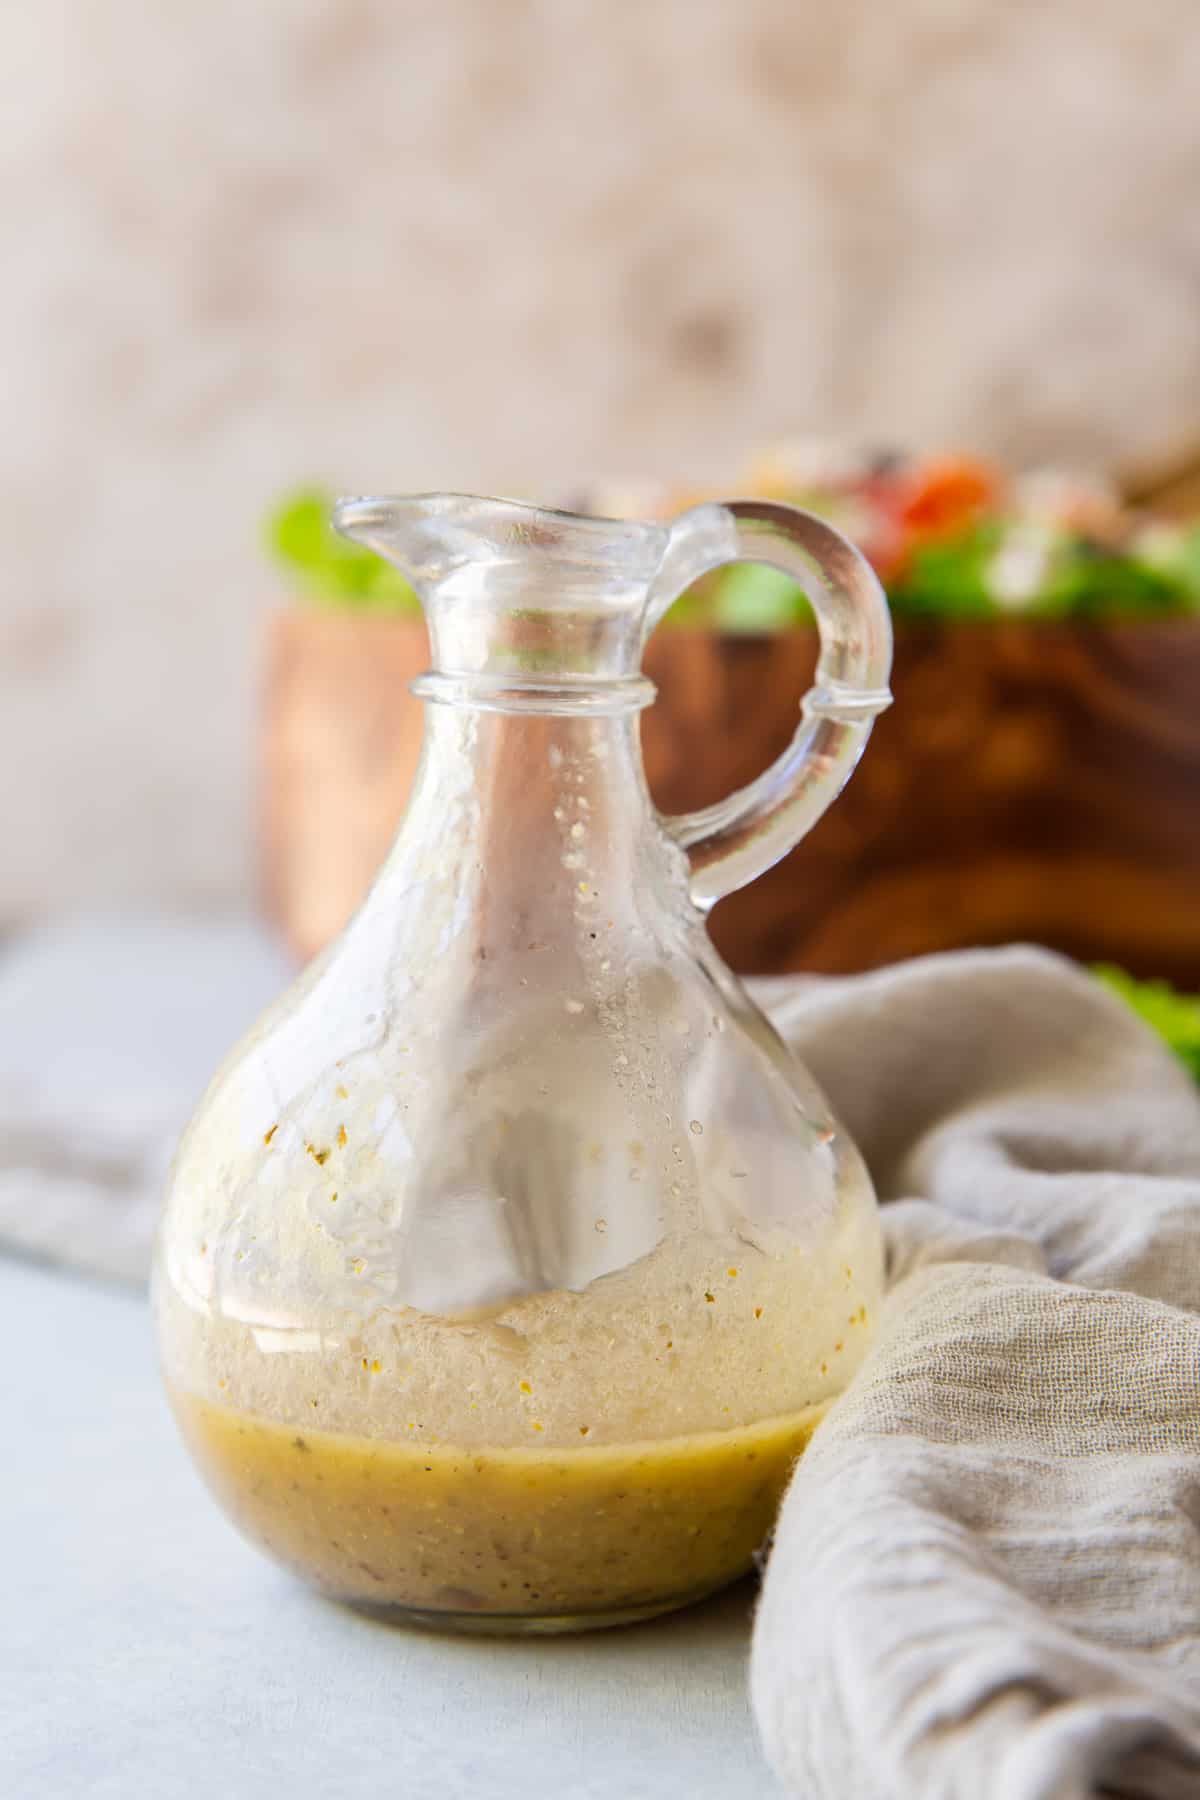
pixel 520 597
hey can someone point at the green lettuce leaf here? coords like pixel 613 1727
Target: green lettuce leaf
pixel 329 568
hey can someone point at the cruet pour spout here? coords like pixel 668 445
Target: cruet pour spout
pixel 517 591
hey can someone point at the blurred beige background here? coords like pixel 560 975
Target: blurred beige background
pixel 508 245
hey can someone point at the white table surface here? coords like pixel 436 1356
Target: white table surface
pixel 146 1651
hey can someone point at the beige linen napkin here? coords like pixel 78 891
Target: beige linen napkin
pixel 985 1583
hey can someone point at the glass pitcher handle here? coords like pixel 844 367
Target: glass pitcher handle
pixel 728 844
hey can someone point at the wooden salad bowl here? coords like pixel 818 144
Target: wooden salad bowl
pixel 1033 781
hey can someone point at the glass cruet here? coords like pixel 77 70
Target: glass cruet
pixel 510 1260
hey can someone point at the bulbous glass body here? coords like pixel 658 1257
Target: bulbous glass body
pixel 510 1260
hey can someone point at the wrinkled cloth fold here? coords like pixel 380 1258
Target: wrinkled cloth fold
pixel 985 1580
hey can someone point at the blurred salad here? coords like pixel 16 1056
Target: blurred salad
pixel 950 537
